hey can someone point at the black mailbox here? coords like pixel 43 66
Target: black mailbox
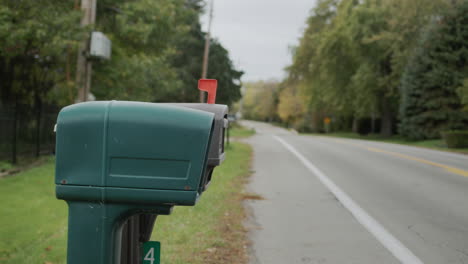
pixel 216 153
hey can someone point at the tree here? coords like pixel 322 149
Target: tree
pixel 222 69
pixel 291 107
pixel 437 71
pixel 158 48
pixel 261 100
pixel 187 60
pixel 351 56
pixel 376 37
pixel 305 73
pixel 142 34
pixel 35 37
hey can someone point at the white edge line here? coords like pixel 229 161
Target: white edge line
pixel 402 253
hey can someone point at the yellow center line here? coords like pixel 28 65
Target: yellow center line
pixel 408 157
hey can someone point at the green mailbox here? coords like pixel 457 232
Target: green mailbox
pixel 138 228
pixel 118 159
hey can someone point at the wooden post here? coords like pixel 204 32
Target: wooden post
pixel 84 67
pixel 206 53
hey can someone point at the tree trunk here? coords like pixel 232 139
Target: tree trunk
pixel 38 125
pixel 355 125
pixel 386 125
pixel 14 143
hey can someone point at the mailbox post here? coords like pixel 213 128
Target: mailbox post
pixel 116 160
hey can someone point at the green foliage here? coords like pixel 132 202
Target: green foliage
pixel 306 67
pixel 157 49
pixel 142 34
pixel 5 166
pixel 222 69
pixel 261 100
pixel 463 93
pixel 35 35
pixel 291 106
pixel 430 103
pixel 351 57
pixel 187 61
pixel 456 139
pixel 157 55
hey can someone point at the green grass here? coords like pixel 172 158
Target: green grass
pixel 33 223
pixel 238 131
pixel 437 144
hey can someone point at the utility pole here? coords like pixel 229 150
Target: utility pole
pixel 84 66
pixel 206 54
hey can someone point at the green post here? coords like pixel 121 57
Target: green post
pixel 94 230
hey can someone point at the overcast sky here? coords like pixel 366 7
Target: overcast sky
pixel 258 33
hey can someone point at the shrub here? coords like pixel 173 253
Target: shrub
pixel 5 166
pixel 456 139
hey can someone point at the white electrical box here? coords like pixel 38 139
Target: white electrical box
pixel 100 46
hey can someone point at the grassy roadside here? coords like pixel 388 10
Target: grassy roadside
pixel 33 224
pixel 237 131
pixel 437 144
pixel 24 164
pixel 212 231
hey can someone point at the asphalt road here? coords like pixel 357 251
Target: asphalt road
pixel 330 200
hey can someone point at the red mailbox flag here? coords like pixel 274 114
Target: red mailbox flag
pixel 209 86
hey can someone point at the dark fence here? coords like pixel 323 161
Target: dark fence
pixel 26 131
